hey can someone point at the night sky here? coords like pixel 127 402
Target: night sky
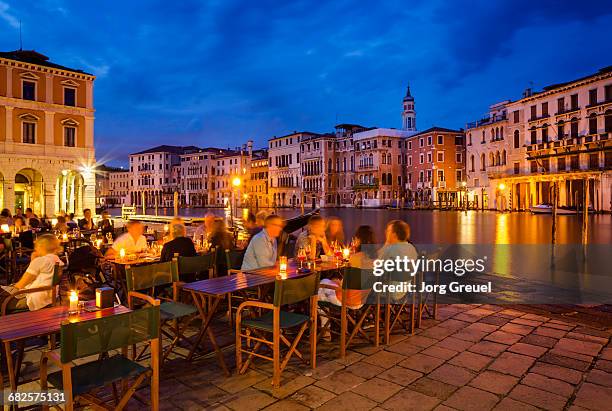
pixel 216 73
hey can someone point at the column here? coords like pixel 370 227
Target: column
pixel 49 88
pixel 49 123
pixel 9 82
pixel 89 94
pixel 9 190
pixel 9 124
pixel 89 193
pixel 89 132
pixel 50 192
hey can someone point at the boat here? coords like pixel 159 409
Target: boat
pixel 547 209
pixel 295 223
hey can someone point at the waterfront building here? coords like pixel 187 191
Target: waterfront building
pixel 379 166
pixel 119 188
pixel 487 151
pixel 257 192
pixel 345 163
pixel 284 169
pixel 231 175
pixel 435 167
pixel 408 112
pixel 197 169
pixel 155 175
pixel 47 158
pixel 562 135
pixel 105 195
pixel 318 172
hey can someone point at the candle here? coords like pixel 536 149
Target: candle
pixel 122 253
pixel 53 222
pixel 74 302
pixel 5 228
pixel 99 242
pixel 346 253
pixel 65 237
pixel 166 227
pixel 283 267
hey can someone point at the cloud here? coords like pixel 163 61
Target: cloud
pixel 7 16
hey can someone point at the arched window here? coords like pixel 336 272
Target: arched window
pixel 574 127
pixel 497 159
pixel 492 134
pixel 497 134
pixel 472 162
pixel 483 165
pixel 560 130
pixel 501 133
pixel 593 123
pixel 517 139
pixel 371 160
pixel 470 139
pixel 504 157
pixel 491 159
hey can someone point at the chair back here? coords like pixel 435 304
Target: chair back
pixel 294 290
pixel 197 265
pixel 234 259
pixel 354 278
pixel 58 271
pixel 144 277
pixel 84 338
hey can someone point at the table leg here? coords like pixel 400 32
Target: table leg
pixel 200 302
pixel 9 366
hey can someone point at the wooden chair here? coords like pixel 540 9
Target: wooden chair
pixel 141 284
pixel 98 337
pixel 399 310
pixel 351 321
pixel 8 263
pixel 234 259
pixel 277 322
pixel 197 268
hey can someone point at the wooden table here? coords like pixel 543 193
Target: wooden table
pixel 47 321
pixel 119 265
pixel 207 294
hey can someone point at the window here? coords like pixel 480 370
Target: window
pixel 421 158
pixel 561 164
pixel 70 97
pixel 429 157
pixel 534 136
pixel 533 166
pixel 458 140
pixel 458 158
pixel 593 124
pixel 545 133
pixel 440 140
pixel 29 132
pixel 459 175
pixel 593 97
pixel 472 162
pixel 421 142
pixel 544 109
pixel 440 175
pixel 410 160
pixel 429 140
pixel 69 136
pixel 29 90
pixel 517 139
pixel 560 105
pixel 560 130
pixel 574 101
pixel 515 116
pixel 534 112
pixel 608 93
pixel 440 156
pixel 517 168
pixel 574 128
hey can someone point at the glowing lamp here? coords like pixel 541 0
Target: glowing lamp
pixel 65 237
pixel 166 227
pixel 99 242
pixel 346 253
pixel 501 186
pixel 282 267
pixel 74 302
pixel 122 253
pixel 236 182
pixel 54 222
pixel 5 228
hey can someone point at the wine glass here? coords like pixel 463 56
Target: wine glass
pixel 301 256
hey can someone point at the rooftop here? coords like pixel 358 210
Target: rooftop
pixel 169 149
pixel 34 57
pixel 436 129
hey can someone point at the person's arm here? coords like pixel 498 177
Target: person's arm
pixel 326 248
pixel 25 280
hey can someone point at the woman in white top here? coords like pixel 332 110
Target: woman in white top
pixel 132 242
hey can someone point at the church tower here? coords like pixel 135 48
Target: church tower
pixel 408 113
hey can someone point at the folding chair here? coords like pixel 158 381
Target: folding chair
pixel 234 259
pixel 277 322
pixel 98 337
pixel 399 309
pixel 351 321
pixel 197 268
pixel 141 284
pixel 8 263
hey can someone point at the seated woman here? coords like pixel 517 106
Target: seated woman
pixel 180 244
pixel 61 225
pixel 313 239
pixel 38 274
pixel 222 240
pixel 362 258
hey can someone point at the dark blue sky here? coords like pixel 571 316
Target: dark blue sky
pixel 221 72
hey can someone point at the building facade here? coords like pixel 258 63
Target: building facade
pixel 285 170
pixel 119 188
pixel 47 158
pixel 258 181
pixel 231 177
pixel 197 170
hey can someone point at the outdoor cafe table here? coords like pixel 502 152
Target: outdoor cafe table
pixel 119 265
pixel 216 289
pixel 47 321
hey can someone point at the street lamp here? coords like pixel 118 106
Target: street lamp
pixel 236 182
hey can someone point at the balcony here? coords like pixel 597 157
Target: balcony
pixel 441 184
pixel 567 111
pixel 486 121
pixel 366 167
pixel 536 118
pixel 366 186
pixel 423 184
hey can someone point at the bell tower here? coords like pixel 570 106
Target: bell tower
pixel 408 113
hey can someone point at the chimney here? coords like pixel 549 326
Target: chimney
pixel 528 92
pixel 250 147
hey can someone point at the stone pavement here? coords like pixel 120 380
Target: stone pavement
pixel 473 357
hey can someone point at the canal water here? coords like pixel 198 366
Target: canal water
pixel 454 227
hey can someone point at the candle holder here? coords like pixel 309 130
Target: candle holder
pixel 282 267
pixel 74 303
pixel 122 254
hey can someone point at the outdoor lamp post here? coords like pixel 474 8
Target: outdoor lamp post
pixel 236 182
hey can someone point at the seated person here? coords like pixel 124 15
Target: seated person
pixel 204 229
pixel 180 244
pixel 362 258
pixel 26 237
pixel 222 240
pixel 313 238
pixel 132 242
pixel 262 250
pixel 86 223
pixel 397 244
pixel 38 274
pixel 61 225
pixel 105 225
pixel 71 222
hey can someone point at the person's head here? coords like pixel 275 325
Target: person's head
pixel 105 215
pixel 34 223
pixel 178 230
pixel 260 217
pixel 61 220
pixel 250 221
pixel 71 215
pixel 364 236
pixel 87 213
pixel 5 213
pixel 316 225
pixel 334 227
pixel 46 244
pixel 18 211
pixel 209 220
pixel 273 224
pixel 28 212
pixel 218 225
pixel 135 228
pixel 18 222
pixel 397 231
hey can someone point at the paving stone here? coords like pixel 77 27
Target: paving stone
pixel 326 369
pixel 250 399
pixel 286 405
pixel 508 404
pixel 288 386
pixel 466 397
pixel 494 382
pixel 443 407
pixel 437 333
pixel 524 321
pixel 377 389
pixel 470 360
pixel 312 396
pixel 480 312
pixel 452 374
pixel 559 325
pixel 571 354
pixel 351 357
pixel 433 388
pixel 582 347
pixel 490 348
pixel 517 329
pixel 421 341
pixel 587 337
pixel 400 375
pixel 453 324
pixel 565 361
pixel 454 344
pixel 511 313
pixel 604 365
pixel 467 317
pixel 511 363
pixel 340 382
pixel 503 337
pixel 592 331
pixel 239 382
pixel 540 340
pixel 348 401
pixel 550 332
pixel 422 363
pixel 364 369
pixel 404 348
pixel 385 359
pixel 408 399
pixel 606 354
pixel 481 327
pixel 439 352
pixel 594 397
pixel 554 371
pixel 548 384
pixel 473 336
pixel 538 398
pixel 527 349
pixel 536 317
pixel 495 320
pixel 600 377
